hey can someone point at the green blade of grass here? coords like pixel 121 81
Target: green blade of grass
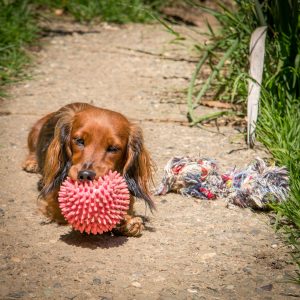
pixel 216 70
pixel 199 65
pixel 211 116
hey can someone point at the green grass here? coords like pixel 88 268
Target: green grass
pixel 278 128
pixel 279 122
pixel 226 54
pixel 279 131
pixel 17 30
pixel 117 11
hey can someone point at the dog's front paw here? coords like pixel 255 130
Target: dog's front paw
pixel 30 165
pixel 131 226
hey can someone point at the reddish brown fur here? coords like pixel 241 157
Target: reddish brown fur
pixel 111 142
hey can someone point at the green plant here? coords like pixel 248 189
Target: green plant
pixel 279 119
pixel 118 11
pixel 17 30
pixel 279 122
pixel 279 131
pixel 226 55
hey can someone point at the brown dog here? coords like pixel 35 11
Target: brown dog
pixel 85 142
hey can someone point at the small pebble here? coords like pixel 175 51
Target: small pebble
pixel 136 284
pixel 230 287
pixel 65 258
pixel 192 291
pixel 267 287
pixel 247 270
pixel 96 281
pixel 255 231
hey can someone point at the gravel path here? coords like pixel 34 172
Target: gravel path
pixel 190 249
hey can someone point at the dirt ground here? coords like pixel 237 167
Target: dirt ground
pixel 190 249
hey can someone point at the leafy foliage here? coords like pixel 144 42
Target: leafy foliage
pixel 118 11
pixel 17 30
pixel 226 54
pixel 279 121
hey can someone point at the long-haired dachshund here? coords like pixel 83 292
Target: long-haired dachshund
pixel 84 142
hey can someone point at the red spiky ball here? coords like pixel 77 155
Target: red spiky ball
pixel 94 206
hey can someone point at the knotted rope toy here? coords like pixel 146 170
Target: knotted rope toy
pixel 255 186
pixel 94 206
pixel 191 176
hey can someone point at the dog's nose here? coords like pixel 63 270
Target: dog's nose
pixel 86 175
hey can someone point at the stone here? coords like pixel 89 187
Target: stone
pixel 96 281
pixel 136 284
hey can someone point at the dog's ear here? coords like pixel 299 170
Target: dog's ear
pixel 138 167
pixel 54 147
pixel 57 160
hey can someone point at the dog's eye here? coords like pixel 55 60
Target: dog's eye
pixel 112 149
pixel 79 141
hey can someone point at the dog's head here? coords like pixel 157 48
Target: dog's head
pixel 89 141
